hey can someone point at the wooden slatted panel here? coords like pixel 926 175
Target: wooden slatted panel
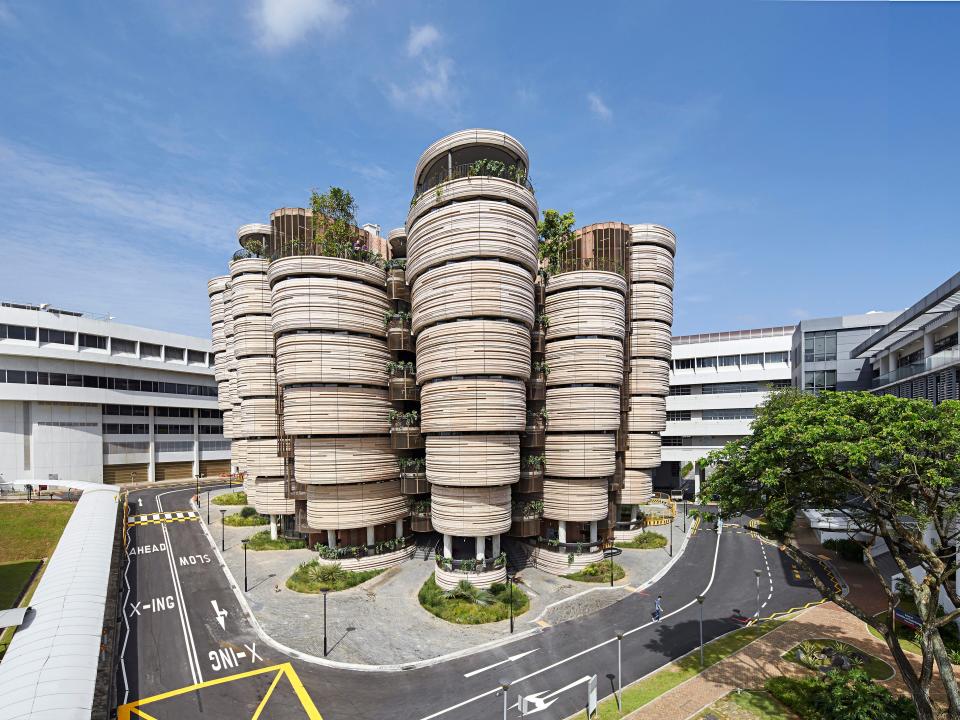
pixel 650 301
pixel 649 376
pixel 120 474
pixel 332 358
pixel 340 507
pixel 470 511
pixel 321 266
pixel 650 338
pixel 580 455
pixel 251 292
pixel 255 377
pixel 473 405
pixel 174 471
pixel 651 263
pixel 585 311
pixel 587 279
pixel 585 408
pixel 475 460
pixel 335 410
pixel 214 468
pixel 261 458
pixel 644 451
pixel 463 189
pixel 258 417
pixel 473 347
pixel 329 461
pixel 577 499
pixel 270 497
pixel 637 487
pixel 652 234
pixel 577 360
pixel 647 414
pixel 472 229
pixel 253 335
pixel 328 303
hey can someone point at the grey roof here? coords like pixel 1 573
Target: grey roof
pixel 50 669
pixel 943 299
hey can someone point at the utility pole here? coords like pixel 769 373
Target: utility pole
pixel 223 540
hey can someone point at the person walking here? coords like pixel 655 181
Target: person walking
pixel 658 609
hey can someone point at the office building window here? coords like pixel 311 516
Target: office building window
pixel 729 414
pixel 128 384
pixel 820 346
pixel 671 441
pixel 945 343
pixel 779 384
pixel 706 362
pixel 125 429
pixel 751 359
pixel 56 337
pixel 173 429
pixel 677 415
pixel 211 429
pixel 17 332
pixel 175 446
pixel 93 341
pixel 119 346
pixel 211 413
pixel 820 380
pixel 135 410
pixel 776 357
pixel 721 388
pixel 196 357
pixel 679 389
pixel 210 445
pixel 149 350
pixel 914 357
pixel 683 364
pixel 173 412
pixel 729 360
pixel 173 353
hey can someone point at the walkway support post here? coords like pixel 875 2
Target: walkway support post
pixel 223 536
pixel 620 672
pixel 700 599
pixel 324 593
pixel 757 573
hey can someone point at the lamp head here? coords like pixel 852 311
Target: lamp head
pixel 700 599
pixel 504 685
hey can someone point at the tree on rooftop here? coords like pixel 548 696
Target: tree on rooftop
pixel 335 223
pixel 556 236
pixel 891 466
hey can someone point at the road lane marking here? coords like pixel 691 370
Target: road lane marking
pixel 539 698
pixel 129 710
pixel 163 517
pixel 512 658
pixel 713 574
pixel 220 614
pixel 266 696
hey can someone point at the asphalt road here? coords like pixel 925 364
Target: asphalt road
pixel 191 652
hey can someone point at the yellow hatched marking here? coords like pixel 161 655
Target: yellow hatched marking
pixel 266 697
pixel 128 711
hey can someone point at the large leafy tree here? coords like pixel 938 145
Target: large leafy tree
pixel 335 223
pixel 892 467
pixel 556 236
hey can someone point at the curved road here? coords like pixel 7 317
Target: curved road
pixel 184 657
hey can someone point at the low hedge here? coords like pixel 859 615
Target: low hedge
pixel 231 498
pixel 598 572
pixel 472 606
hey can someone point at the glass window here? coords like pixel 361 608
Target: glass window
pixel 93 341
pixel 729 360
pixel 721 388
pixel 58 379
pixel 729 414
pixel 818 380
pixel 776 357
pixel 679 389
pixel 197 357
pixel 56 337
pixel 119 346
pixel 751 359
pixel 16 376
pixel 17 332
pixel 820 346
pixel 149 350
pixel 706 362
pixel 173 353
pixel 677 415
pixel 683 364
pixel 671 441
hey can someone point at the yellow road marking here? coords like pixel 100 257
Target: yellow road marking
pixel 267 695
pixel 125 712
pixel 543 623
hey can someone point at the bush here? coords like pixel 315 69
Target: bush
pixel 598 572
pixel 248 512
pixel 233 498
pixel 262 541
pixel 467 605
pixel 313 576
pixel 840 696
pixel 245 518
pixel 646 540
pixel 849 550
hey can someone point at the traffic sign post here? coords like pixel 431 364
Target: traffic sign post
pixel 591 696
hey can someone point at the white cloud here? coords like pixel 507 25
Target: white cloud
pixel 6 15
pixel 598 107
pixel 433 85
pixel 282 23
pixel 421 37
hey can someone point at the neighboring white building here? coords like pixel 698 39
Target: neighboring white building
pixel 87 399
pixel 716 382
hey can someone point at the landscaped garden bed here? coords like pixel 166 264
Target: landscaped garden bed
pixel 262 541
pixel 827 655
pixel 313 576
pixel 840 695
pixel 231 498
pixel 245 518
pixel 598 572
pixel 468 605
pixel 647 540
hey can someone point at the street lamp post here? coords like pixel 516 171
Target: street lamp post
pixel 619 673
pixel 757 573
pixel 208 508
pixel 700 599
pixel 244 541
pixel 610 549
pixel 510 584
pixel 197 480
pixel 223 540
pixel 504 688
pixel 324 593
pixel 671 537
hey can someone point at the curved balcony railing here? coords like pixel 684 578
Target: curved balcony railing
pixel 525 526
pixel 531 480
pixel 397 288
pixel 514 173
pixel 399 335
pixel 414 483
pixel 404 388
pixel 420 520
pixel 406 437
pixel 359 551
pixel 577 548
pixel 470 565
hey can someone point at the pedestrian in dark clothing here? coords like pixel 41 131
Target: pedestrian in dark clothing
pixel 658 609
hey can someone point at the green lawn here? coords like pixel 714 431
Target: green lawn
pixel 598 572
pixel 753 704
pixel 13 578
pixel 31 530
pixel 312 577
pixel 232 498
pixel 262 541
pixel 469 606
pixel 646 540
pixel 876 668
pixel 643 691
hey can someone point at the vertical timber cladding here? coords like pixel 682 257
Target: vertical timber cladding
pixel 586 301
pixel 327 316
pixel 652 250
pixel 471 263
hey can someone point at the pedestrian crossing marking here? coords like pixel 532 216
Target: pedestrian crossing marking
pixel 163 517
pixel 542 623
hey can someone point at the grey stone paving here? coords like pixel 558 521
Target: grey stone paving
pixel 382 622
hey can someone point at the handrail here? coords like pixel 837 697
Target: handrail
pixel 580 547
pixel 470 565
pixel 349 552
pixel 938 360
pixel 467 170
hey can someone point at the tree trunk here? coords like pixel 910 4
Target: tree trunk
pixel 947 676
pixel 919 692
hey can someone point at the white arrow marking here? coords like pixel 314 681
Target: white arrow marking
pixel 498 664
pixel 538 701
pixel 221 614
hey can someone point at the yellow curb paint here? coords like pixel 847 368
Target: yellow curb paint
pixel 266 696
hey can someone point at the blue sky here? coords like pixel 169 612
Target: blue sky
pixel 806 154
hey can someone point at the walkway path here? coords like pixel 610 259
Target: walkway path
pixel 382 622
pixel 761 660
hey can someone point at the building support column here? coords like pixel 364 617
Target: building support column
pixel 371 535
pixel 399 528
pixel 196 442
pixel 152 466
pixel 634 512
pixel 448 546
pixel 562 530
pixel 496 545
pixel 593 531
pixel 273 527
pixel 927 345
pixel 332 539
pixel 480 546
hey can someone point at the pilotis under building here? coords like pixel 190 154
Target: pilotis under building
pixel 446 379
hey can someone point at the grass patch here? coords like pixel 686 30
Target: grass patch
pixel 262 541
pixel 232 498
pixel 643 691
pixel 469 606
pixel 312 577
pixel 13 578
pixel 647 540
pixel 874 667
pixel 757 704
pixel 598 572
pixel 245 518
pixel 31 530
